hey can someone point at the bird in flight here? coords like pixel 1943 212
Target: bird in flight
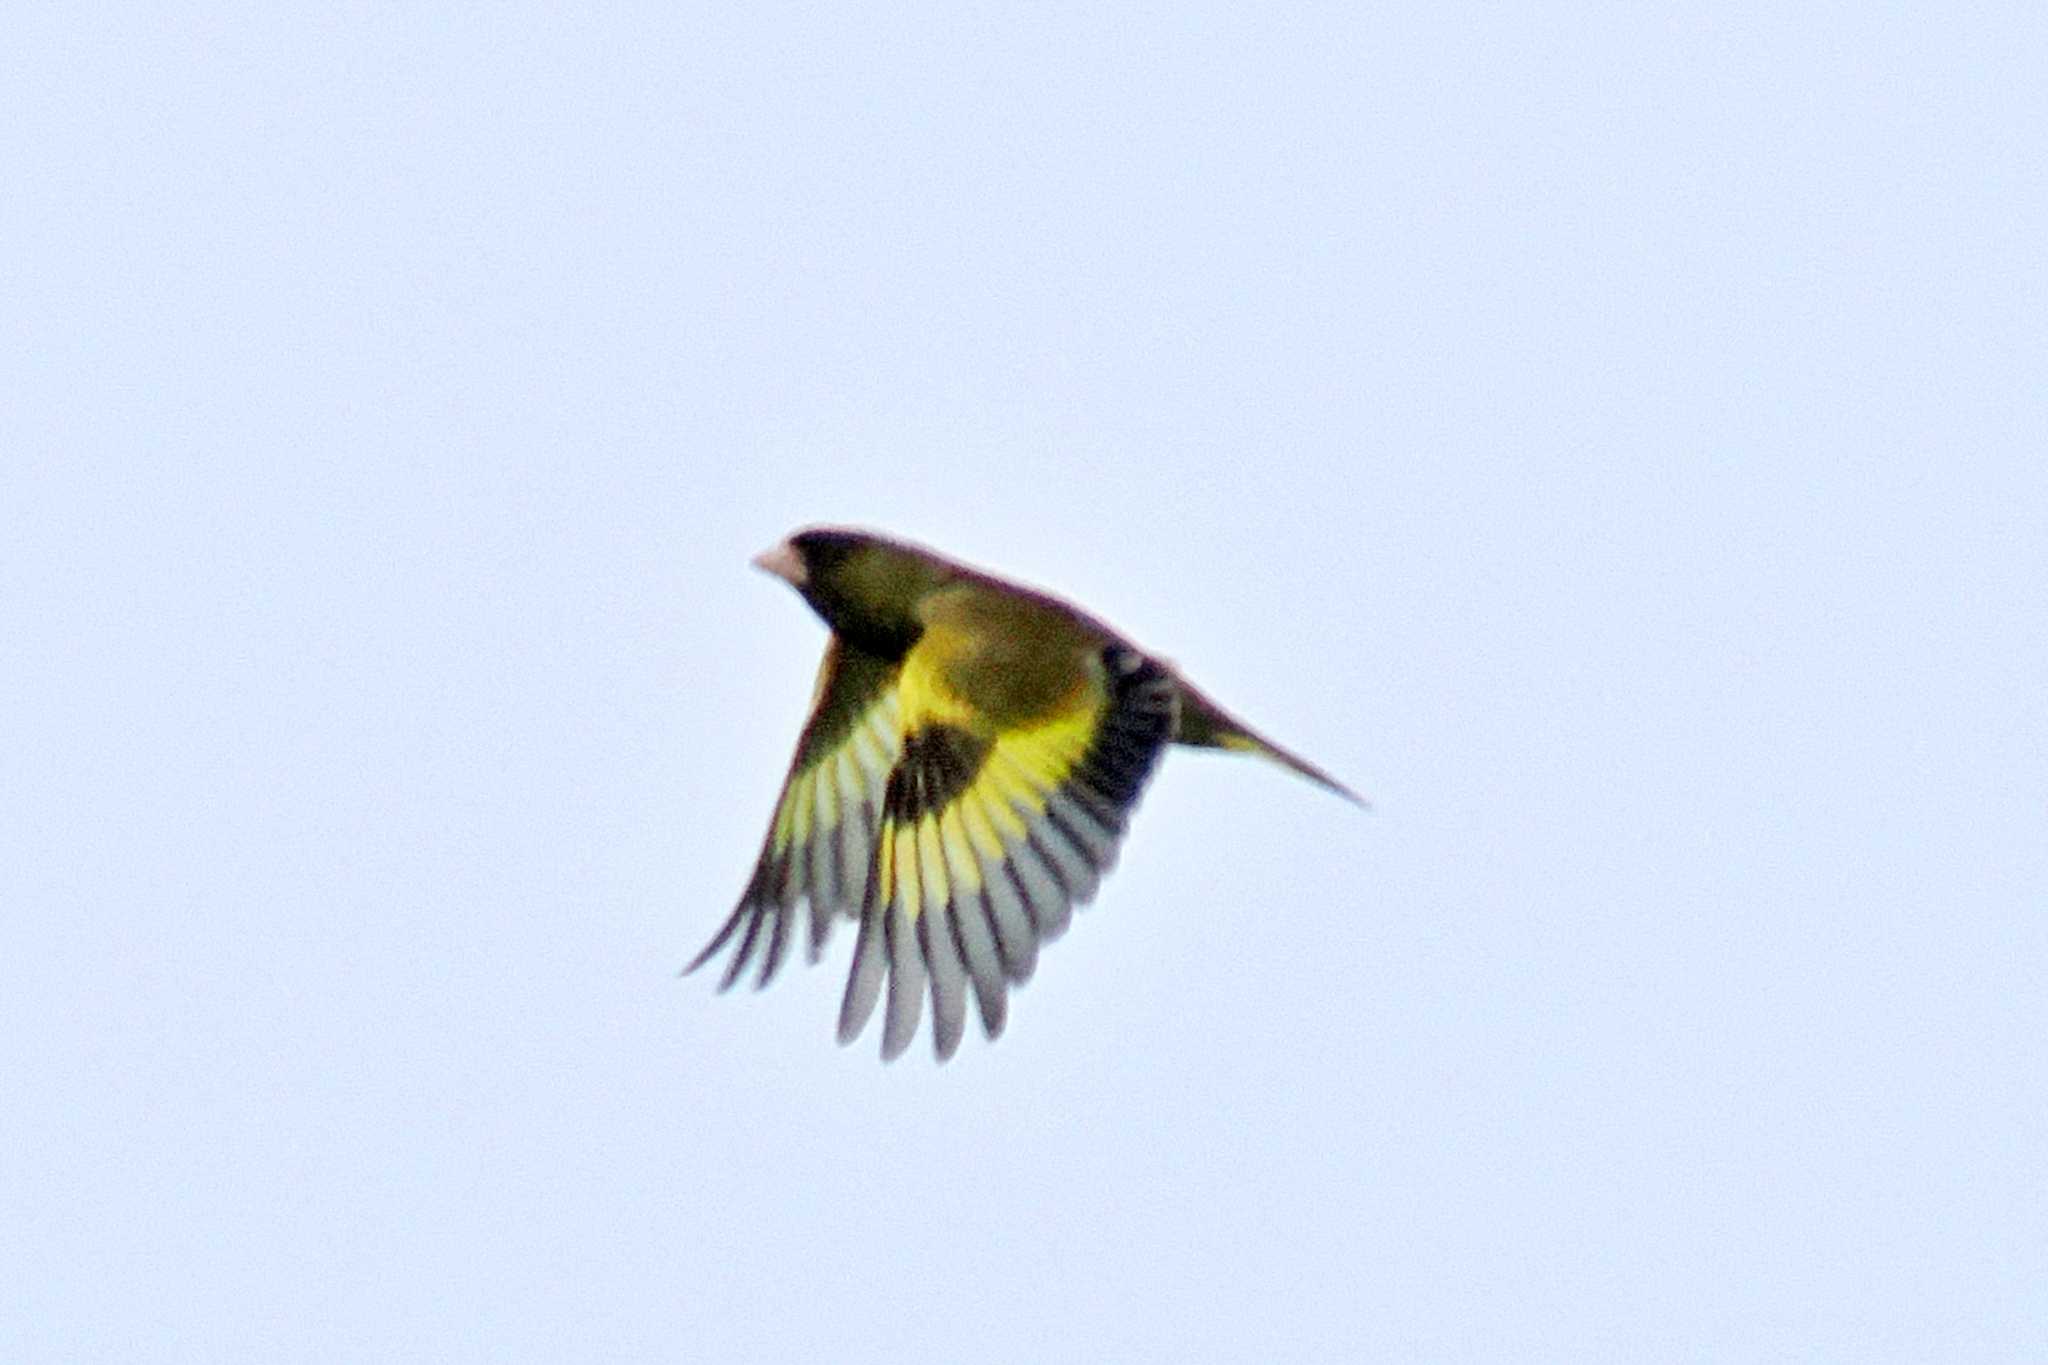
pixel 972 756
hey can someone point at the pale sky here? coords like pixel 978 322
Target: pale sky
pixel 1611 437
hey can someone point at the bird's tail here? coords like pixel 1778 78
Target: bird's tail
pixel 1205 725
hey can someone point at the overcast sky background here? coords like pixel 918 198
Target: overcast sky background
pixel 1610 436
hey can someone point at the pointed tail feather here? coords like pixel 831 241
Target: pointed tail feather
pixel 1203 724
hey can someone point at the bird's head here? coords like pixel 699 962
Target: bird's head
pixel 866 586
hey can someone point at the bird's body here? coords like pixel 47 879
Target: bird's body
pixel 973 754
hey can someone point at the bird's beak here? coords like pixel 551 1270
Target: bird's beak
pixel 784 562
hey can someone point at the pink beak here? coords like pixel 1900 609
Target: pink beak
pixel 784 562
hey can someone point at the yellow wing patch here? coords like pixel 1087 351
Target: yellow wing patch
pixel 821 838
pixel 988 840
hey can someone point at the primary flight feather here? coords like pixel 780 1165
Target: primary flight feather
pixel 973 754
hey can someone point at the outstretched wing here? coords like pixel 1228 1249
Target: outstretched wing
pixel 822 837
pixel 992 832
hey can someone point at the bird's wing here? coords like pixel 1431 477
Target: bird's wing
pixel 992 830
pixel 822 837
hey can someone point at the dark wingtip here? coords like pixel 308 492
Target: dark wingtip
pixel 718 940
pixel 743 954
